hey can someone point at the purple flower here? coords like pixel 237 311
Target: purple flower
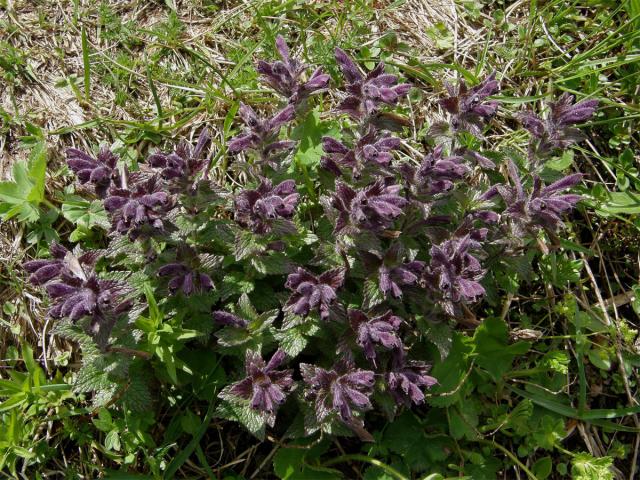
pixel 80 297
pixel 436 174
pixel 265 386
pixel 407 379
pixel 312 292
pixel 365 94
pixel 186 279
pixel 555 131
pixel 184 162
pixel 42 270
pixel 468 107
pixel 372 208
pixel 74 288
pixel 139 209
pixel 454 274
pixel 381 330
pixel 285 76
pixel 372 152
pixel 64 265
pixel 257 209
pixel 392 273
pixel 99 171
pixel 262 134
pixel 543 207
pixel 76 292
pixel 229 319
pixel 340 390
pixel 475 157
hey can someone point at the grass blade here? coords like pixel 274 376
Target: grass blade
pixel 86 65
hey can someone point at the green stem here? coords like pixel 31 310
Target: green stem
pixel 363 458
pixel 513 458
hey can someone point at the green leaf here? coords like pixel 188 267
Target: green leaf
pixel 112 441
pixel 84 214
pixel 463 419
pixel 37 172
pixel 600 358
pixel 627 202
pixel 246 309
pixel 293 340
pixel 245 245
pixel 549 432
pixel 239 410
pixel 492 348
pixel 518 418
pixel 562 162
pixel 586 467
pixel 289 464
pixel 274 264
pixel 309 135
pixel 450 373
pixel 104 422
pixel 542 468
pixel 406 437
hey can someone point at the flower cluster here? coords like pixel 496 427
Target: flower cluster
pixel 76 291
pixel 258 209
pixel 331 261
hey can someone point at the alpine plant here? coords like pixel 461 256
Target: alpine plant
pixel 311 267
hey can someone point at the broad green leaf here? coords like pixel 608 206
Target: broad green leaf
pixel 309 135
pixel 22 196
pixel 586 467
pixel 600 358
pixel 550 430
pixel 239 410
pixel 37 172
pixel 620 203
pixel 293 340
pixel 542 468
pixel 112 441
pixel 494 353
pixel 450 373
pixel 463 419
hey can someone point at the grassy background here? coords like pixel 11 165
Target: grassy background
pixel 137 75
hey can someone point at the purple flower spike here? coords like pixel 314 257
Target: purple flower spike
pixel 372 152
pixel 229 319
pixel 365 94
pixel 265 386
pixel 286 76
pixel 372 208
pixel 100 171
pixel 185 279
pixel 454 274
pixel 468 107
pixel 257 209
pixel 312 292
pixel 543 207
pixel 340 390
pixel 184 163
pixel 436 174
pixel 381 330
pixel 43 271
pixel 261 135
pixel 141 208
pixel 391 272
pixel 407 379
pixel 555 132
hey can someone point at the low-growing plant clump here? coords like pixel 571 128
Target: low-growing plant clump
pixel 319 293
